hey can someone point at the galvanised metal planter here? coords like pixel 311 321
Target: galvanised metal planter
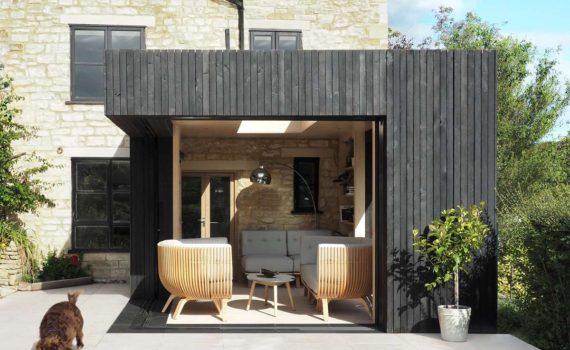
pixel 454 322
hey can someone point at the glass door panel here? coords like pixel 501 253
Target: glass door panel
pixel 207 204
pixel 219 206
pixel 192 221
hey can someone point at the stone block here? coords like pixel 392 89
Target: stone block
pixel 92 257
pixel 118 256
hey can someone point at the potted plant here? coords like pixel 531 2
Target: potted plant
pixel 448 248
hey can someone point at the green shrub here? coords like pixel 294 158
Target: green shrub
pixel 58 266
pixel 537 235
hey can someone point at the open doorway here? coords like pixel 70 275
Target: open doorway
pixel 340 181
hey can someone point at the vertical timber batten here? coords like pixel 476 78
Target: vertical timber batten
pixel 436 114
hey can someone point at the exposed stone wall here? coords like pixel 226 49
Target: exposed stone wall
pixel 269 207
pixel 10 266
pixel 35 48
pixel 325 24
pixel 108 267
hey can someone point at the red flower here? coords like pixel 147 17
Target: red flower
pixel 74 260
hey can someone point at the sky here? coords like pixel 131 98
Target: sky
pixel 546 23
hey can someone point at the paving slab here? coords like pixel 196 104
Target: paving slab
pixel 100 304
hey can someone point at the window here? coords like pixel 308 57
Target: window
pixel 101 204
pixel 309 169
pixel 275 40
pixel 88 44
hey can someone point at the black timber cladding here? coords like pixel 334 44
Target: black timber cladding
pixel 438 115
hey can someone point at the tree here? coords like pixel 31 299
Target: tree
pixel 451 243
pixel 400 41
pixel 21 190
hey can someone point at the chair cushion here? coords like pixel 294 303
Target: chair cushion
pixel 191 241
pixel 294 239
pixel 263 243
pixel 296 262
pixel 310 245
pixel 211 240
pixel 279 263
pixel 309 276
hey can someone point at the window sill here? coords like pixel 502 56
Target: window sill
pixel 85 103
pixel 305 212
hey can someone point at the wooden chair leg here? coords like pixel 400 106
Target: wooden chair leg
pixel 367 304
pixel 179 307
pixel 290 296
pixel 170 299
pixel 298 281
pixel 218 305
pixel 325 306
pixel 224 309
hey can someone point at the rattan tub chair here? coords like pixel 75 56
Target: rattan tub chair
pixel 337 268
pixel 196 270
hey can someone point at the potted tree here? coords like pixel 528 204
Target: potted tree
pixel 448 248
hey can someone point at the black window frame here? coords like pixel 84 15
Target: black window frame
pixel 297 183
pixel 107 45
pixel 275 33
pixel 109 223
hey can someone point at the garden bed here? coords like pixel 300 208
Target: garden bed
pixel 26 286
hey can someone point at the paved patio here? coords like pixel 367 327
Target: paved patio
pixel 21 314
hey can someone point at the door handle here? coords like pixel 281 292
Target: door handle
pixel 214 222
pixel 202 221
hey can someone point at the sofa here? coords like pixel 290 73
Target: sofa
pixel 196 269
pixel 337 268
pixel 276 250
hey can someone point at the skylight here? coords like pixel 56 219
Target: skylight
pixel 273 126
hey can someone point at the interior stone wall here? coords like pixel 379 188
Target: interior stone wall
pixel 261 207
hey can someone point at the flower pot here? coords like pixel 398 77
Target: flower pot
pixel 453 322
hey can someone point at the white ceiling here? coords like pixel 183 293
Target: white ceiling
pixel 229 128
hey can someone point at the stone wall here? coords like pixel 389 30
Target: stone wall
pixel 108 267
pixel 35 49
pixel 332 24
pixel 269 206
pixel 10 266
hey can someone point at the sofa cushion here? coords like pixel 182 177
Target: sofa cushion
pixel 294 239
pixel 263 242
pixel 310 245
pixel 279 263
pixel 309 276
pixel 296 262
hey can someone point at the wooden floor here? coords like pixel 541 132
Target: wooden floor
pixel 204 312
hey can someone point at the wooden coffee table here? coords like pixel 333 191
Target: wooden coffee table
pixel 274 282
